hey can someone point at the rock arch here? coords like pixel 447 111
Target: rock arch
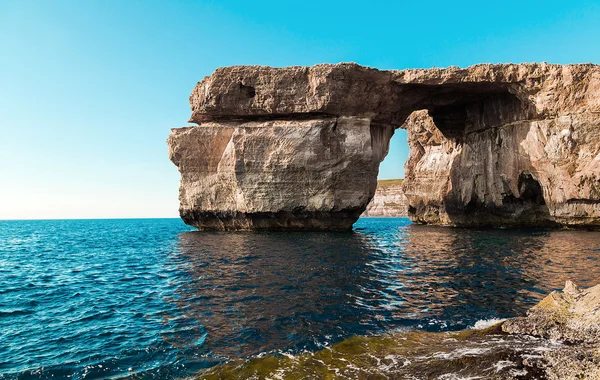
pixel 300 147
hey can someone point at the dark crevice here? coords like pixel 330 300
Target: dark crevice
pixel 264 117
pixel 248 91
pixel 530 190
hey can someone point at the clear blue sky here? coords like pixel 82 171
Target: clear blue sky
pixel 89 89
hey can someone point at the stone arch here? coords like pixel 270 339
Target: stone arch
pixel 306 142
pixel 462 170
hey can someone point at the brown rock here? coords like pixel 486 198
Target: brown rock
pixel 299 147
pixel 315 174
pixel 572 317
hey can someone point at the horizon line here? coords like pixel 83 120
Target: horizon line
pixel 107 218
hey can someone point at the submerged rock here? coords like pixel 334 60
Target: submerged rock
pixel 300 147
pixel 558 339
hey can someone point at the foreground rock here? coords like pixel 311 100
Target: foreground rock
pixel 389 200
pixel 300 147
pixel 573 318
pixel 559 339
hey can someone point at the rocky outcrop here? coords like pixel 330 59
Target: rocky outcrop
pixel 299 147
pixel 315 174
pixel 571 317
pixel 389 200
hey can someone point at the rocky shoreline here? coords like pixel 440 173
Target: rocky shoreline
pixel 558 339
pixel 571 317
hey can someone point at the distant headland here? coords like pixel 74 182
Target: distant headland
pixel 389 200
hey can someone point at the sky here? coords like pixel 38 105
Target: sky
pixel 90 89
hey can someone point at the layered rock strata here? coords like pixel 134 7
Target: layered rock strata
pixel 389 200
pixel 299 147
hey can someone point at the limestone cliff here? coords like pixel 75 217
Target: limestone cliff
pixel 389 200
pixel 299 147
pixel 315 174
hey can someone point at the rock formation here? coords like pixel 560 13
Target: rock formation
pixel 389 200
pixel 571 317
pixel 300 147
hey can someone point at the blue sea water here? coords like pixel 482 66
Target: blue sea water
pixel 151 298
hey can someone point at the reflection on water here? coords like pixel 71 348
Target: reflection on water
pixel 106 298
pixel 260 292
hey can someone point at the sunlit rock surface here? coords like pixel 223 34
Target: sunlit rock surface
pixel 389 200
pixel 299 147
pixel 315 174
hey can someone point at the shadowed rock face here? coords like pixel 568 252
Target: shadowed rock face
pixel 300 147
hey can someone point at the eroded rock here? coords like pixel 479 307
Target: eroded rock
pixel 299 147
pixel 313 174
pixel 571 317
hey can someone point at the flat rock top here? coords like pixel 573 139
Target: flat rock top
pixel 386 96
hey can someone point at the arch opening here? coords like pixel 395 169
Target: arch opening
pixel 389 199
pixel 465 166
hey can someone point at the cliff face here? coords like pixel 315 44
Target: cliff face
pixel 315 174
pixel 389 200
pixel 300 147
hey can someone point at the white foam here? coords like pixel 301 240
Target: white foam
pixel 518 372
pixel 454 376
pixel 485 323
pixel 499 366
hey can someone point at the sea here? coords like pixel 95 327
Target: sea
pixel 152 298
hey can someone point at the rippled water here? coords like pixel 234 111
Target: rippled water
pixel 110 298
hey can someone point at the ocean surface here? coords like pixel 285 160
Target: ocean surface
pixel 152 298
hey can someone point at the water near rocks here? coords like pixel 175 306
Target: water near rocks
pixel 150 297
